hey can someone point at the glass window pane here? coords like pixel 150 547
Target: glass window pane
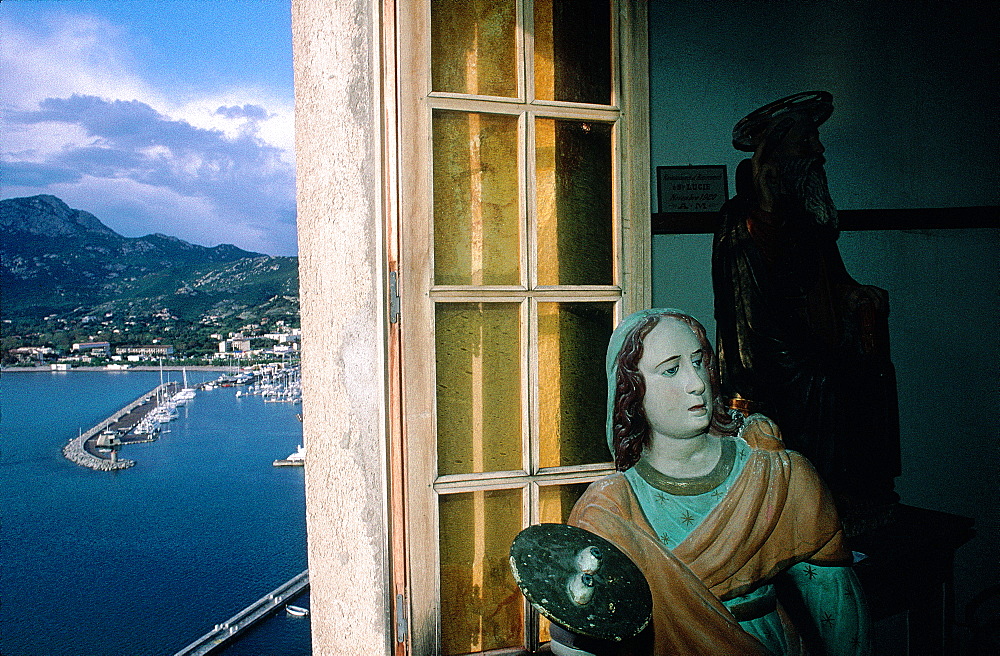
pixel 554 505
pixel 556 501
pixel 478 348
pixel 476 211
pixel 572 384
pixel 481 605
pixel 573 181
pixel 573 51
pixel 473 47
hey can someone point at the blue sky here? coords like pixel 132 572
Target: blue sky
pixel 171 116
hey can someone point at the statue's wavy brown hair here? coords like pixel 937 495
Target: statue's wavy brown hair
pixel 629 426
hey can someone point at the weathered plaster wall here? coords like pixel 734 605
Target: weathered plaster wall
pixel 916 100
pixel 340 246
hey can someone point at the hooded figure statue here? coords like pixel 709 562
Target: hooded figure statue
pixel 799 339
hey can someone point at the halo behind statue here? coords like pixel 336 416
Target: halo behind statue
pixel 751 129
pixel 581 582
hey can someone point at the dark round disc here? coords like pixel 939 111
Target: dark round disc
pixel 581 582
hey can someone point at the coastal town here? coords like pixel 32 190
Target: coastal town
pixel 251 344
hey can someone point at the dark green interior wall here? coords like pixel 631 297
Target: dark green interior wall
pixel 914 89
pixel 915 123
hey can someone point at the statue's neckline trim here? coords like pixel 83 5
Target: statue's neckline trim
pixel 691 486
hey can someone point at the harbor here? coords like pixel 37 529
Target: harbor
pixel 141 420
pixel 255 612
pixel 97 447
pixel 177 523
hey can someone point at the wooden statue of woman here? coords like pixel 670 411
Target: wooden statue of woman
pixel 716 513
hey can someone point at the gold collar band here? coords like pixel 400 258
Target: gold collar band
pixel 688 487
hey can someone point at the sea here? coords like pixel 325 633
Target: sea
pixel 147 559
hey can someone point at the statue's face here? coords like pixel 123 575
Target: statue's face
pixel 801 186
pixel 802 140
pixel 678 401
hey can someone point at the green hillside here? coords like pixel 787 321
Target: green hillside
pixel 63 271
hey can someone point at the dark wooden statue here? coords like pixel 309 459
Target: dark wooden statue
pixel 799 340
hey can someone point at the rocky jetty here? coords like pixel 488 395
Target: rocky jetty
pixel 81 450
pixel 75 451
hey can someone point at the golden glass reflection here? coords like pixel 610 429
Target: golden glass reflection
pixel 478 350
pixel 556 501
pixel 554 505
pixel 476 212
pixel 573 180
pixel 573 51
pixel 473 47
pixel 572 383
pixel 481 605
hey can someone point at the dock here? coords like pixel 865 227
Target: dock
pixel 82 449
pixel 241 621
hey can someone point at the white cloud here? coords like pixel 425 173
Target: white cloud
pixel 152 162
pixel 39 142
pixel 277 129
pixel 72 54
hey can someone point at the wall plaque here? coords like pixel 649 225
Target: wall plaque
pixel 692 188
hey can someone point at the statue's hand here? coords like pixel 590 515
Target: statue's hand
pixel 760 432
pixel 866 321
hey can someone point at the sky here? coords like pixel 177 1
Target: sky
pixel 169 116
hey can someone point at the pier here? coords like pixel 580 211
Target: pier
pixel 83 449
pixel 241 621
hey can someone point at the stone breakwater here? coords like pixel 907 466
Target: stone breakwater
pixel 76 450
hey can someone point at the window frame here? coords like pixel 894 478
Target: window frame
pixel 409 104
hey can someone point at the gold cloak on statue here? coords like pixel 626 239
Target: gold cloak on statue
pixel 777 513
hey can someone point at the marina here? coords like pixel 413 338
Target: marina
pixel 177 522
pixel 241 621
pixel 142 419
pixel 118 429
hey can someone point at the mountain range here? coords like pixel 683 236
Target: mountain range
pixel 59 261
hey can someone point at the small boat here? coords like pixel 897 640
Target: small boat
pixel 297 611
pixel 296 459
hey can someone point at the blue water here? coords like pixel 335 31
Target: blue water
pixel 145 560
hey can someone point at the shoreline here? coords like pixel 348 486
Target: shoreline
pixel 193 367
